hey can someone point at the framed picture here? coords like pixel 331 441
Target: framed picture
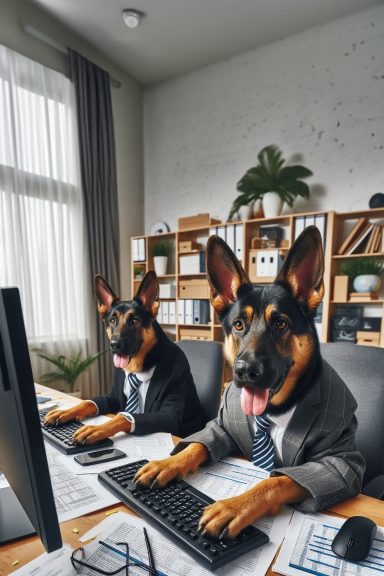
pixel 271 235
pixel 344 336
pixel 346 322
pixel 370 324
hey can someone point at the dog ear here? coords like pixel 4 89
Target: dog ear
pixel 225 274
pixel 148 293
pixel 304 268
pixel 105 295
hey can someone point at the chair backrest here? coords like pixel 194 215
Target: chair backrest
pixel 362 369
pixel 207 365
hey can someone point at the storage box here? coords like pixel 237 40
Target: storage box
pixel 197 221
pixel 368 338
pixel 264 264
pixel 195 334
pixel 192 264
pixel 190 246
pixel 167 291
pixel 340 288
pixel 195 288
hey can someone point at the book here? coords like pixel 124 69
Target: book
pixel 358 227
pixel 372 239
pixel 362 296
pixel 377 245
pixel 360 240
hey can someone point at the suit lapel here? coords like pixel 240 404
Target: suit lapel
pixel 154 388
pixel 300 424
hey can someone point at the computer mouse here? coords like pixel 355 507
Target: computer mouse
pixel 354 539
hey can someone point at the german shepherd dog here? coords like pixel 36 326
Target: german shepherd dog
pixel 132 333
pixel 271 343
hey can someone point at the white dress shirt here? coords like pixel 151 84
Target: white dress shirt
pixel 145 378
pixel 278 426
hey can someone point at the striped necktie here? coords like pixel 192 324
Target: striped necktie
pixel 132 406
pixel 263 448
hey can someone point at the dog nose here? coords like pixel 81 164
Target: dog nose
pixel 115 346
pixel 249 371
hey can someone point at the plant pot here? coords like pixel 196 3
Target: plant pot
pixel 160 265
pixel 245 212
pixel 258 209
pixel 272 204
pixel 367 283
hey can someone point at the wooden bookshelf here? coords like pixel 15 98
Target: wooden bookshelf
pixel 337 228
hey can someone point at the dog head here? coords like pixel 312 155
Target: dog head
pixel 270 337
pixel 129 324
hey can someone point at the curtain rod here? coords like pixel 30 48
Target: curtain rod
pixel 57 46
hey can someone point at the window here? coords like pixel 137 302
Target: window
pixel 42 242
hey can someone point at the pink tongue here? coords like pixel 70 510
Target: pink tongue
pixel 120 361
pixel 253 402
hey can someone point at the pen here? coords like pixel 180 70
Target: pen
pixel 150 556
pixel 129 557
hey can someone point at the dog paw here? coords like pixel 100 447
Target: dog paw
pixel 158 472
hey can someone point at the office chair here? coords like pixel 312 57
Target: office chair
pixel 362 369
pixel 207 366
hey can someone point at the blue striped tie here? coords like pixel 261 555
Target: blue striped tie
pixel 132 406
pixel 263 448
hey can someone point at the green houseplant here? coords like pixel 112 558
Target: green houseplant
pixel 160 252
pixel 67 369
pixel 271 175
pixel 364 273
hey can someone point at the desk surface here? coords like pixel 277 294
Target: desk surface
pixel 29 548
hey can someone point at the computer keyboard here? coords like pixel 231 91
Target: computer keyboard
pixel 176 510
pixel 61 436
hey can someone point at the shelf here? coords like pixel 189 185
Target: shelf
pixel 263 279
pixel 374 255
pixel 195 325
pixel 195 274
pixel 379 301
pixel 167 276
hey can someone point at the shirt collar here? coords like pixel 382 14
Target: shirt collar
pixel 282 420
pixel 144 376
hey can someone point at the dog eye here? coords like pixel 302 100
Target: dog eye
pixel 238 325
pixel 113 321
pixel 280 325
pixel 135 321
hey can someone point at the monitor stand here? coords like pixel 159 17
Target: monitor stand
pixel 14 522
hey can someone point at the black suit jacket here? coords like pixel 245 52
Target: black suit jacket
pixel 171 404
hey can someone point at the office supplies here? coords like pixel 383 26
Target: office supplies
pixel 27 505
pixel 307 549
pixel 99 456
pixel 201 311
pixel 150 555
pixel 61 437
pixel 239 239
pixel 354 539
pixel 42 399
pixel 176 510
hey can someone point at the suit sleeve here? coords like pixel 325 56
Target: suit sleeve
pixel 333 470
pixel 110 403
pixel 214 436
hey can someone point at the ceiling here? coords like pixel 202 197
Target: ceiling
pixel 178 36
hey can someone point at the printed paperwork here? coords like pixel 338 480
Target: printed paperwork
pixel 307 550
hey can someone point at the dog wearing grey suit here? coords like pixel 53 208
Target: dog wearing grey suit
pixel 272 344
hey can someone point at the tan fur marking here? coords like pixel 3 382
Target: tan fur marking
pixel 270 309
pixel 149 340
pixel 249 313
pixel 231 349
pixel 302 348
pixel 102 309
pixel 217 302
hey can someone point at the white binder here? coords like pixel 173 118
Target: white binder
pixel 239 234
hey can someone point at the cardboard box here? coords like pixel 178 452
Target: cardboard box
pixel 340 288
pixel 197 221
pixel 368 338
pixel 264 264
pixel 190 246
pixel 195 334
pixel 195 288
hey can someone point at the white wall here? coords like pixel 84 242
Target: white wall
pixel 319 94
pixel 127 110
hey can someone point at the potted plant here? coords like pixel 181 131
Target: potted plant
pixel 365 273
pixel 67 369
pixel 160 252
pixel 138 273
pixel 272 181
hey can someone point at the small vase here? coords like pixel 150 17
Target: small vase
pixel 367 283
pixel 160 265
pixel 245 212
pixel 272 204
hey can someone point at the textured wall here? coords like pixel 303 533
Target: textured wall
pixel 319 95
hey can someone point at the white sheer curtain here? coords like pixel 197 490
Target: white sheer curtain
pixel 42 240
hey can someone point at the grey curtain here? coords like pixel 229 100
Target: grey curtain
pixel 99 183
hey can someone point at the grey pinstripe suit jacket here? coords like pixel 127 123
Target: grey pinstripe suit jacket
pixel 318 449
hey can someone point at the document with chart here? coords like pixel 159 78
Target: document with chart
pixel 307 550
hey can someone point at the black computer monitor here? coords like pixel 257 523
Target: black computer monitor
pixel 28 505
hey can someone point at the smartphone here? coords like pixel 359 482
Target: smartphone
pixel 42 399
pixel 99 456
